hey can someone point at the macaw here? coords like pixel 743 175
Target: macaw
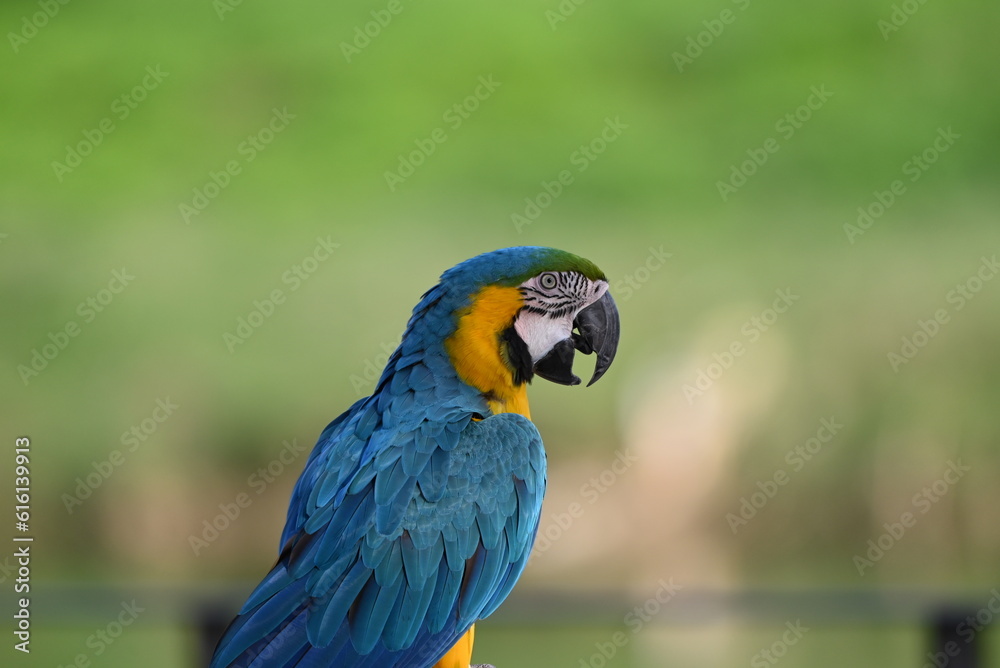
pixel 418 507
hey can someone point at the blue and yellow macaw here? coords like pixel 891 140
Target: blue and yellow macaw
pixel 418 506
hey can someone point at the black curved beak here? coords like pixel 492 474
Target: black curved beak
pixel 598 326
pixel 597 330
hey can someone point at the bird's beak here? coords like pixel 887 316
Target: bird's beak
pixel 597 328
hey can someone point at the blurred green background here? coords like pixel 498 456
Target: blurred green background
pixel 712 157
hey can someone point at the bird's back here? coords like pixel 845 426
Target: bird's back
pixel 412 519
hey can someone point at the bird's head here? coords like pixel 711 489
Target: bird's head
pixel 528 310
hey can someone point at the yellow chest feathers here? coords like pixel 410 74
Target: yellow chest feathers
pixel 474 349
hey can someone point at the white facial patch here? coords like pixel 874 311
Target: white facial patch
pixel 548 315
pixel 540 332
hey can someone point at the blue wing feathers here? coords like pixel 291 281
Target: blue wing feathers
pixel 258 623
pixel 330 613
pixel 421 377
pixel 443 604
pixel 454 552
pixel 487 567
pixel 390 481
pixel 348 525
pixel 363 477
pixel 409 523
pixel 390 514
pixel 419 564
pixel 415 460
pixel 320 518
pixel 387 562
pixel 434 478
pixel 402 630
pixel 367 422
pixel 289 641
pixel 371 612
pixel 272 583
pixel 448 439
pixel 322 581
pixel 400 383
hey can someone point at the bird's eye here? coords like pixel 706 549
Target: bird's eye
pixel 547 281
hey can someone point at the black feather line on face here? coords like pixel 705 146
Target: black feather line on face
pixel 569 293
pixel 518 357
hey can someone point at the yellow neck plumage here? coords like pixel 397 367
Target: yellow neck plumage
pixel 474 349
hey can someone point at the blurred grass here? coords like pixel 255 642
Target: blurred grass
pixel 141 645
pixel 695 647
pixel 879 646
pixel 353 119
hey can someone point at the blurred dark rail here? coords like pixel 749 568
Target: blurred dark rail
pixel 208 608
